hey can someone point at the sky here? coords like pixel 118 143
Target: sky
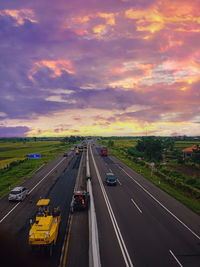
pixel 99 67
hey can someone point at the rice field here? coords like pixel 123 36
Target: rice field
pixel 10 152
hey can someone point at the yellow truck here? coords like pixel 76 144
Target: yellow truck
pixel 80 148
pixel 77 151
pixel 44 231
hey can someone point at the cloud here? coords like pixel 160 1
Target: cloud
pixel 129 62
pixel 18 131
pixel 20 16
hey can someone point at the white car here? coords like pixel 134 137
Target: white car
pixel 18 194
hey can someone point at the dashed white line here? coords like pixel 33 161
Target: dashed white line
pixel 31 190
pixel 176 258
pixel 162 206
pixel 136 205
pixel 46 176
pixel 119 181
pixel 9 212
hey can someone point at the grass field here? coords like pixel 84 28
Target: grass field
pixel 17 173
pixel 17 151
pixel 119 150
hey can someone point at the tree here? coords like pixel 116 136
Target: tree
pixel 151 147
pixel 110 143
pixel 196 155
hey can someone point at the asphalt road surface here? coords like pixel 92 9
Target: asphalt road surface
pixel 140 225
pixel 56 181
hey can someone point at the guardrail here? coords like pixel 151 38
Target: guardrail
pixel 94 255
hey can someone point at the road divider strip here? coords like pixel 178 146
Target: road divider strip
pixel 94 254
pixel 120 239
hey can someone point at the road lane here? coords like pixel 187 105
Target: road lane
pixel 151 235
pixel 58 185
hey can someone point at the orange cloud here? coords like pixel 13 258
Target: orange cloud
pixel 117 71
pixel 183 16
pixel 19 15
pixel 81 25
pixel 109 17
pixel 57 66
pixel 184 71
pixel 81 31
pixel 99 30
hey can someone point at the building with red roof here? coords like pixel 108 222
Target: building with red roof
pixel 187 152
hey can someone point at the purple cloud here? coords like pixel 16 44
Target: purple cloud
pixel 19 131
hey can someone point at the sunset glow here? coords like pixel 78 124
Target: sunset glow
pixel 106 68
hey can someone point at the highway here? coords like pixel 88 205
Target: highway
pixel 138 224
pixel 56 181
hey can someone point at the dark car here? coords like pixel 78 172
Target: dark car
pixel 110 179
pixel 80 200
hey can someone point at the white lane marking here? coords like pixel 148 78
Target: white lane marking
pixel 163 206
pixel 136 205
pixel 122 245
pixel 31 190
pixel 176 258
pixel 110 170
pixel 119 181
pixel 9 212
pixel 46 176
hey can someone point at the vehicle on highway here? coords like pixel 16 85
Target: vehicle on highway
pixel 44 231
pixel 110 179
pixel 65 154
pixel 18 193
pixel 80 201
pixel 80 148
pixel 76 151
pixel 104 151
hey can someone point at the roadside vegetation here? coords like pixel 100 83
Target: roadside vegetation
pixel 161 161
pixel 15 165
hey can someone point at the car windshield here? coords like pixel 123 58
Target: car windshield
pixel 14 192
pixel 111 178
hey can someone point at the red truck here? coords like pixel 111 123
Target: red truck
pixel 104 151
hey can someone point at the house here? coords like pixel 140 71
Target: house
pixel 187 152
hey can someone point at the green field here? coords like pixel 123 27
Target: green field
pixel 15 165
pixel 180 145
pixel 179 188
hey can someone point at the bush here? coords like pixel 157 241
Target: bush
pixel 191 181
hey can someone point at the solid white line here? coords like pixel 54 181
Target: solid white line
pixel 122 245
pixel 46 175
pixel 119 181
pixel 136 205
pixel 9 212
pixel 110 170
pixel 176 259
pixel 31 190
pixel 163 206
